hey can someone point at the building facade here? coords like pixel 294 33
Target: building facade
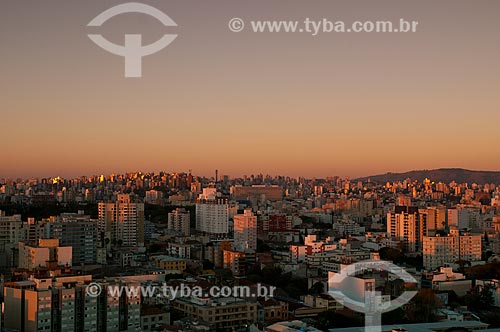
pixel 62 304
pixel 179 221
pixel 122 221
pixel 245 231
pixel 221 314
pixel 404 224
pixel 80 234
pixel 441 250
pixel 212 214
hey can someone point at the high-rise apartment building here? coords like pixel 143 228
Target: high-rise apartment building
pixel 29 306
pixel 179 220
pixel 434 218
pixel 153 197
pixel 275 222
pixel 440 250
pixel 212 214
pixel 245 231
pixel 470 247
pixel 10 235
pixel 77 231
pixel 458 218
pixel 63 304
pixel 403 200
pixel 7 223
pixel 404 224
pixel 122 221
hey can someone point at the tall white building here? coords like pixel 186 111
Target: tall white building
pixel 212 214
pixel 122 221
pixel 179 220
pixel 245 231
pixel 440 250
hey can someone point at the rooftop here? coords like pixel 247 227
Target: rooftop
pixel 166 258
pixel 424 327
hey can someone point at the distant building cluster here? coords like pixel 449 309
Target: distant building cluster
pixel 58 237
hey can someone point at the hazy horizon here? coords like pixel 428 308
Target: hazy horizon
pixel 352 105
pixel 221 173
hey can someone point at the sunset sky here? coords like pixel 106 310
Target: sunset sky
pixel 349 104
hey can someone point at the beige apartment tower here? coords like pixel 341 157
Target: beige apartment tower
pixel 245 231
pixel 179 220
pixel 122 221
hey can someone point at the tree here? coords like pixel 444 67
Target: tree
pixel 481 298
pixel 426 303
pixel 485 271
pixel 271 275
pixel 462 263
pixel 396 316
pixel 208 265
pixel 390 254
pixel 330 319
pixel 262 246
pixel 154 248
pixel 317 289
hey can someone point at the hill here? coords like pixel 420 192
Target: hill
pixel 445 175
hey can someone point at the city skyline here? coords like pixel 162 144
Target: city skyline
pixel 221 173
pixel 67 246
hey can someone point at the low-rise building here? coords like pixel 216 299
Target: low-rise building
pixel 274 310
pixel 446 280
pixel 292 326
pixel 169 263
pixel 323 301
pixel 45 253
pixel 220 313
pixel 179 250
pixel 153 317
